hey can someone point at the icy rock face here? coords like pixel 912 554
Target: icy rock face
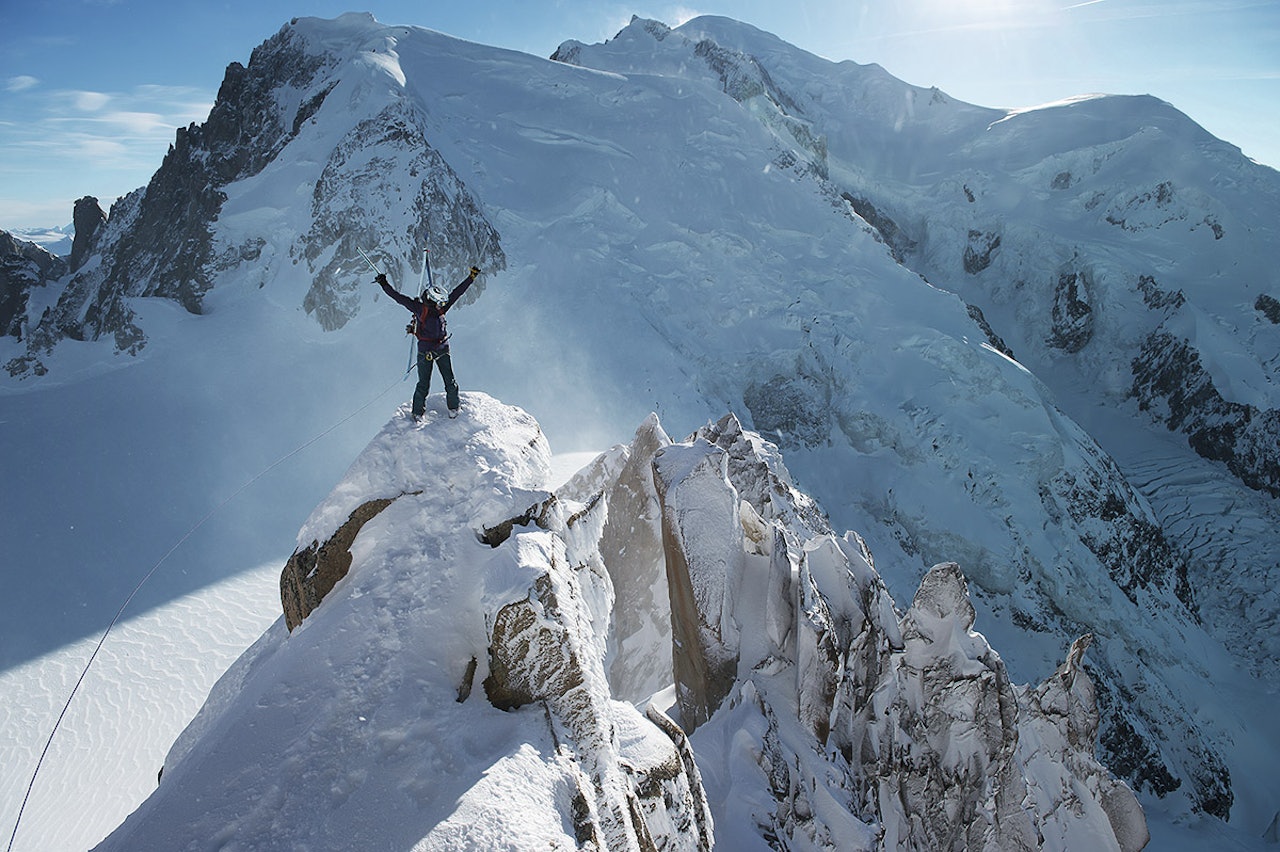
pixel 369 162
pixel 947 774
pixel 1169 380
pixel 702 538
pixel 168 240
pixel 631 547
pixel 1061 719
pixel 864 728
pixel 23 266
pixel 366 726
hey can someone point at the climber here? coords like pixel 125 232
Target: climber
pixel 433 338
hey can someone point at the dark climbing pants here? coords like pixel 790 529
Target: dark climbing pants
pixel 442 361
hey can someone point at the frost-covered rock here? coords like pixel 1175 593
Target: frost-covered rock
pixel 639 660
pixel 23 266
pixel 1060 718
pixel 822 717
pixel 366 725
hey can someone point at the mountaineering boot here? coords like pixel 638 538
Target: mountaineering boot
pixel 453 412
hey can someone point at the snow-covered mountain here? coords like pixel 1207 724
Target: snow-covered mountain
pixel 438 679
pixel 1040 344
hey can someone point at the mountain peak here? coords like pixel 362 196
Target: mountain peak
pixel 364 723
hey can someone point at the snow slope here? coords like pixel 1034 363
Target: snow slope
pixel 151 677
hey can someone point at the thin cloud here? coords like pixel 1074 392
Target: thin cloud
pixel 90 101
pixel 21 83
pixel 89 131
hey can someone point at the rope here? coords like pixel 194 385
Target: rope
pixel 102 640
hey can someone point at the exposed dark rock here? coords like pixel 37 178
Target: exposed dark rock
pixel 468 680
pixel 312 572
pixel 1128 543
pixel 1072 313
pixel 23 265
pixel 1170 382
pixel 525 652
pixel 1269 307
pixel 997 342
pixel 791 409
pixel 1158 299
pixel 536 514
pixel 978 253
pixel 1062 180
pixel 87 218
pixel 894 237
pixel 1161 198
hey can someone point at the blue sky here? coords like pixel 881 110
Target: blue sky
pixel 91 91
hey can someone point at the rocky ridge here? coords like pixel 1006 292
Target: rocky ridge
pixel 864 727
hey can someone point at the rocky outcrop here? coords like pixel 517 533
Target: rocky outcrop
pixel 1061 717
pixel 870 729
pixel 1072 313
pixel 544 596
pixel 1269 307
pixel 702 539
pixel 1170 382
pixel 980 250
pixel 313 571
pixel 163 240
pixel 639 659
pixel 544 651
pixel 23 266
pixel 958 784
pixel 87 218
pixel 158 241
pixel 440 213
pixel 899 242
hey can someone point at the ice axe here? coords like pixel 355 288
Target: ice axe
pixel 368 261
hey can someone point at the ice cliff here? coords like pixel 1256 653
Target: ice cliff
pixel 457 640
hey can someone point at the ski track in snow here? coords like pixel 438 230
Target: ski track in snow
pixel 150 678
